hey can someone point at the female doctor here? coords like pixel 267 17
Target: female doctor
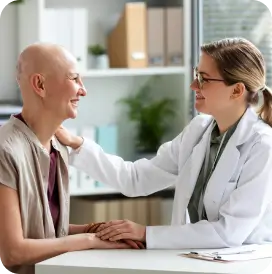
pixel 220 164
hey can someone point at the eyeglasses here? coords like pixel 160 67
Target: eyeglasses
pixel 201 80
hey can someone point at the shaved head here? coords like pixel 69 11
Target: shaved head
pixel 49 81
pixel 44 59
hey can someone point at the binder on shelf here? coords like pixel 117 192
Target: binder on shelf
pixel 72 171
pixel 155 212
pixel 114 210
pixel 127 45
pixel 106 137
pixel 174 36
pixel 86 182
pixel 68 27
pixel 87 211
pixel 128 209
pixel 156 37
pixel 79 37
pixel 141 211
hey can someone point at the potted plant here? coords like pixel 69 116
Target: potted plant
pixel 152 118
pixel 99 56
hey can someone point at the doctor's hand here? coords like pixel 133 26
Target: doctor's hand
pixel 122 229
pixel 100 244
pixel 67 138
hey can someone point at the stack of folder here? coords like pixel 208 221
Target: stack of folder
pixel 145 211
pixel 147 37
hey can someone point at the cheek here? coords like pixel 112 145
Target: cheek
pixel 68 92
pixel 215 95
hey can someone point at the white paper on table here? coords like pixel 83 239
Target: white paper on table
pixel 243 253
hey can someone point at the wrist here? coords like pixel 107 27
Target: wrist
pixel 76 142
pixel 144 234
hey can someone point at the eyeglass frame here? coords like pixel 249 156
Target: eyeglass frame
pixel 201 80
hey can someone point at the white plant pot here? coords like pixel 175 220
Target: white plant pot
pixel 101 61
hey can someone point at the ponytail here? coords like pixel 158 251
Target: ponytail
pixel 265 111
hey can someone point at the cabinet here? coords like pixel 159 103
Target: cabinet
pixel 105 87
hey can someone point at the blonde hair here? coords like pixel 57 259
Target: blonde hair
pixel 238 60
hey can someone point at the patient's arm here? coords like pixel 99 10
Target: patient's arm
pixel 15 250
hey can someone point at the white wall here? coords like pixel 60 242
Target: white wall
pixel 8 53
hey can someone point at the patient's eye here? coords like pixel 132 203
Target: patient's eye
pixel 74 76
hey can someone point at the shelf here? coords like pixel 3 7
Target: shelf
pixel 101 191
pixel 133 72
pixel 97 191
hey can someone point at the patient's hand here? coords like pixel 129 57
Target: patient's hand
pixel 67 138
pixel 121 229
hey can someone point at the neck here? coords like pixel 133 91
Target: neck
pixel 43 124
pixel 226 120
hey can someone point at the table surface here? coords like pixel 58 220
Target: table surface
pixel 143 261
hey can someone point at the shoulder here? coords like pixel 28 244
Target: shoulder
pixel 10 148
pixel 11 138
pixel 260 142
pixel 201 120
pixel 263 130
pixel 193 132
pixel 198 124
pixel 262 134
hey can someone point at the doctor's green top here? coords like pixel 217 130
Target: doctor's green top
pixel 202 181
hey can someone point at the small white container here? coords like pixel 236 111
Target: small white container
pixel 100 61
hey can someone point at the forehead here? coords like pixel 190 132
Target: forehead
pixel 67 66
pixel 207 65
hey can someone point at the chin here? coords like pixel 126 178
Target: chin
pixel 72 114
pixel 202 109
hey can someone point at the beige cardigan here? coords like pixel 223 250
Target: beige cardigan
pixel 24 166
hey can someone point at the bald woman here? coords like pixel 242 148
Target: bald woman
pixel 34 195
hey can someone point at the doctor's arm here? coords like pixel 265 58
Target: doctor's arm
pixel 142 177
pixel 238 217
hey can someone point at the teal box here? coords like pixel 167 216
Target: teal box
pixel 106 137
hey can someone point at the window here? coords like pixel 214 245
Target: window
pixel 244 18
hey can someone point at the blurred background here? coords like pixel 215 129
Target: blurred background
pixel 136 59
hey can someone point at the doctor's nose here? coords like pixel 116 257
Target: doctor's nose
pixel 194 85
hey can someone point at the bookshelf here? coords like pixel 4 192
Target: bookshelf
pixel 133 72
pixel 106 86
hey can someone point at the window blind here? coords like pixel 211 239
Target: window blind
pixel 244 18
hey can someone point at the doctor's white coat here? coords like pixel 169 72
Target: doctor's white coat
pixel 238 197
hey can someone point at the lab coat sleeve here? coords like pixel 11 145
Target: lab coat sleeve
pixel 139 178
pixel 238 217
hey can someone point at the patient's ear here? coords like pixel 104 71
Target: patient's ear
pixel 37 83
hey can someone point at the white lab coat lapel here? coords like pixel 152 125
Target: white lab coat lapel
pixel 197 158
pixel 220 178
pixel 196 161
pixel 226 165
pixel 189 173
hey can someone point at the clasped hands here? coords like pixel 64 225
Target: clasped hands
pixel 121 230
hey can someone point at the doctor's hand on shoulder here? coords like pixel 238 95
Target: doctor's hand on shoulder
pixel 68 139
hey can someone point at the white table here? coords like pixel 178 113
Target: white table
pixel 142 262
